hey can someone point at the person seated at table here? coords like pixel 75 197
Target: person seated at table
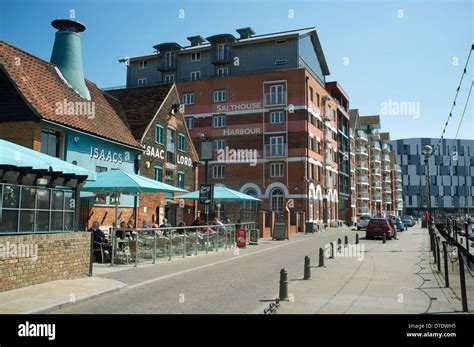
pixel 208 230
pixel 123 232
pixel 165 224
pixel 183 230
pixel 220 228
pixel 99 238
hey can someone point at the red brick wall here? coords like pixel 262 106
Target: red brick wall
pixel 27 134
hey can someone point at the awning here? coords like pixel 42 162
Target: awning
pixel 21 157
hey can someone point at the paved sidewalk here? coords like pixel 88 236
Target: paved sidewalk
pixel 392 278
pixel 56 294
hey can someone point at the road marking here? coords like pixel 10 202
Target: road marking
pixel 133 286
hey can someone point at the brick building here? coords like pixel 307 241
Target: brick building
pixel 156 121
pixel 263 94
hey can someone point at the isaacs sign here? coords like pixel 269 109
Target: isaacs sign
pixel 160 153
pixel 108 155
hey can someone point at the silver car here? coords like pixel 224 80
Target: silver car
pixel 363 221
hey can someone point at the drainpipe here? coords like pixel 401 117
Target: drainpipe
pixel 306 148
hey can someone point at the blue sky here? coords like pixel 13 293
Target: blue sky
pixel 398 51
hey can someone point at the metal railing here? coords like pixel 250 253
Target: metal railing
pixel 152 244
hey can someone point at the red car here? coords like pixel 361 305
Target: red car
pixel 377 227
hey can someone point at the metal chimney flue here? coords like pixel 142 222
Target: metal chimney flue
pixel 67 55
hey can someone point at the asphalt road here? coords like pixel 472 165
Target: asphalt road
pixel 221 282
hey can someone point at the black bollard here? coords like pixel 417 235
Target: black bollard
pixel 438 260
pixel 357 239
pixel 339 242
pixel 283 295
pixel 384 237
pixel 321 257
pixel 462 279
pixel 445 256
pixel 307 268
pixel 466 227
pixel 332 250
pixel 346 241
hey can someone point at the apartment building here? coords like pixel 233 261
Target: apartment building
pixel 265 95
pixel 375 181
pixel 451 175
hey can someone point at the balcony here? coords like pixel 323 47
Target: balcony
pixel 363 180
pixel 386 168
pixel 387 200
pixel 376 172
pixel 361 136
pixel 167 65
pixel 377 185
pixel 386 158
pixel 353 202
pixel 386 148
pixel 386 179
pixel 398 187
pixel 375 158
pixel 275 150
pixel 275 99
pixel 362 165
pixel 327 135
pixel 362 151
pixel 375 146
pixel 377 197
pixel 399 207
pixel 363 210
pixel 363 196
pixel 398 168
pixel 398 178
pixel 387 189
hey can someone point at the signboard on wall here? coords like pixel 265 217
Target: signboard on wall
pixel 206 194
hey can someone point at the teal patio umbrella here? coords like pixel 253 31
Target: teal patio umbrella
pixel 117 181
pixel 221 194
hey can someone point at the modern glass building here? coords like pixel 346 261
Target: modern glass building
pixel 451 175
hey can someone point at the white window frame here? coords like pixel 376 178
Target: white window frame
pixel 195 75
pixel 189 95
pixel 142 82
pixel 220 71
pixel 169 78
pixel 219 121
pixel 277 170
pixel 276 92
pixel 195 56
pixel 143 64
pixel 190 123
pixel 280 119
pixel 219 144
pixel 219 95
pixel 277 145
pixel 218 171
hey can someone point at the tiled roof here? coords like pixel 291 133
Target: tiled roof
pixel 42 88
pixel 141 104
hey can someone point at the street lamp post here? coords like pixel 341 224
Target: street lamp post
pixel 428 151
pixel 206 155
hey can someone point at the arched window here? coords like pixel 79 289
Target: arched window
pixel 251 205
pixel 276 199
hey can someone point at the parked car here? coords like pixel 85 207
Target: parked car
pixel 408 220
pixel 363 221
pixel 377 227
pixel 400 225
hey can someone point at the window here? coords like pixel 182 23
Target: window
pixel 142 82
pixel 159 173
pixel 317 99
pixel 251 205
pixel 280 42
pixel 223 71
pixel 188 98
pixel 196 56
pixel 219 144
pixel 190 122
pixel 143 64
pixel 169 178
pixel 277 117
pixel 169 60
pixel 50 141
pixel 221 51
pixel 195 75
pixel 100 169
pixel 170 146
pixel 218 171
pixel 311 94
pixel 160 135
pixel 281 62
pixel 276 170
pixel 181 179
pixel 219 121
pixel 277 146
pixel 169 78
pixel 219 95
pixel 181 142
pixel 32 209
pixel 276 95
pixel 276 200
